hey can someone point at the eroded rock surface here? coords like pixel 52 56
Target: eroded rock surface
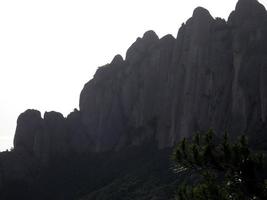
pixel 213 75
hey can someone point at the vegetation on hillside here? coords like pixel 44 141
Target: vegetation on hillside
pixel 219 169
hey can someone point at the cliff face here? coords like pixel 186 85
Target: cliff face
pixel 213 75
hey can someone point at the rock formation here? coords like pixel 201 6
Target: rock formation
pixel 213 75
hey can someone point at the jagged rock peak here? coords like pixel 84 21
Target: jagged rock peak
pixel 140 46
pixel 199 22
pixel 28 124
pixel 150 35
pixel 29 114
pixel 75 112
pixel 247 9
pixel 167 37
pixel 118 59
pixel 201 12
pixel 52 115
pixel 201 15
pixel 248 5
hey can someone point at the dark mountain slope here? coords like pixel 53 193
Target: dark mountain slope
pixel 214 74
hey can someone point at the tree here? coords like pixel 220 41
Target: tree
pixel 221 170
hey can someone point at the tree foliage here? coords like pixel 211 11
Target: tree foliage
pixel 221 170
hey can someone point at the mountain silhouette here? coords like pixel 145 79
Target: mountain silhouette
pixel 212 75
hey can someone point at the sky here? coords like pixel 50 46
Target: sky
pixel 50 49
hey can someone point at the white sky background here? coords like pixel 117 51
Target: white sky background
pixel 50 49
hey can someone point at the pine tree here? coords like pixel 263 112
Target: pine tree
pixel 225 171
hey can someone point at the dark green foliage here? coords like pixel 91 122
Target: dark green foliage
pixel 221 170
pixel 139 173
pixel 142 173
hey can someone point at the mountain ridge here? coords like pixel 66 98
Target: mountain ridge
pixel 212 75
pixel 198 76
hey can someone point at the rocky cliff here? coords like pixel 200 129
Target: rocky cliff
pixel 213 75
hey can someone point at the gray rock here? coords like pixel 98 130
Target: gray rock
pixel 213 75
pixel 79 141
pixel 29 124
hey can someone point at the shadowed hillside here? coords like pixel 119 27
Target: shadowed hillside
pixel 117 145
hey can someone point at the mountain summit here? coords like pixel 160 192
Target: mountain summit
pixel 212 75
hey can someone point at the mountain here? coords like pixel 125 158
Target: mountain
pixel 212 75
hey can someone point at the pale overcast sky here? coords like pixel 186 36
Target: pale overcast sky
pixel 49 49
